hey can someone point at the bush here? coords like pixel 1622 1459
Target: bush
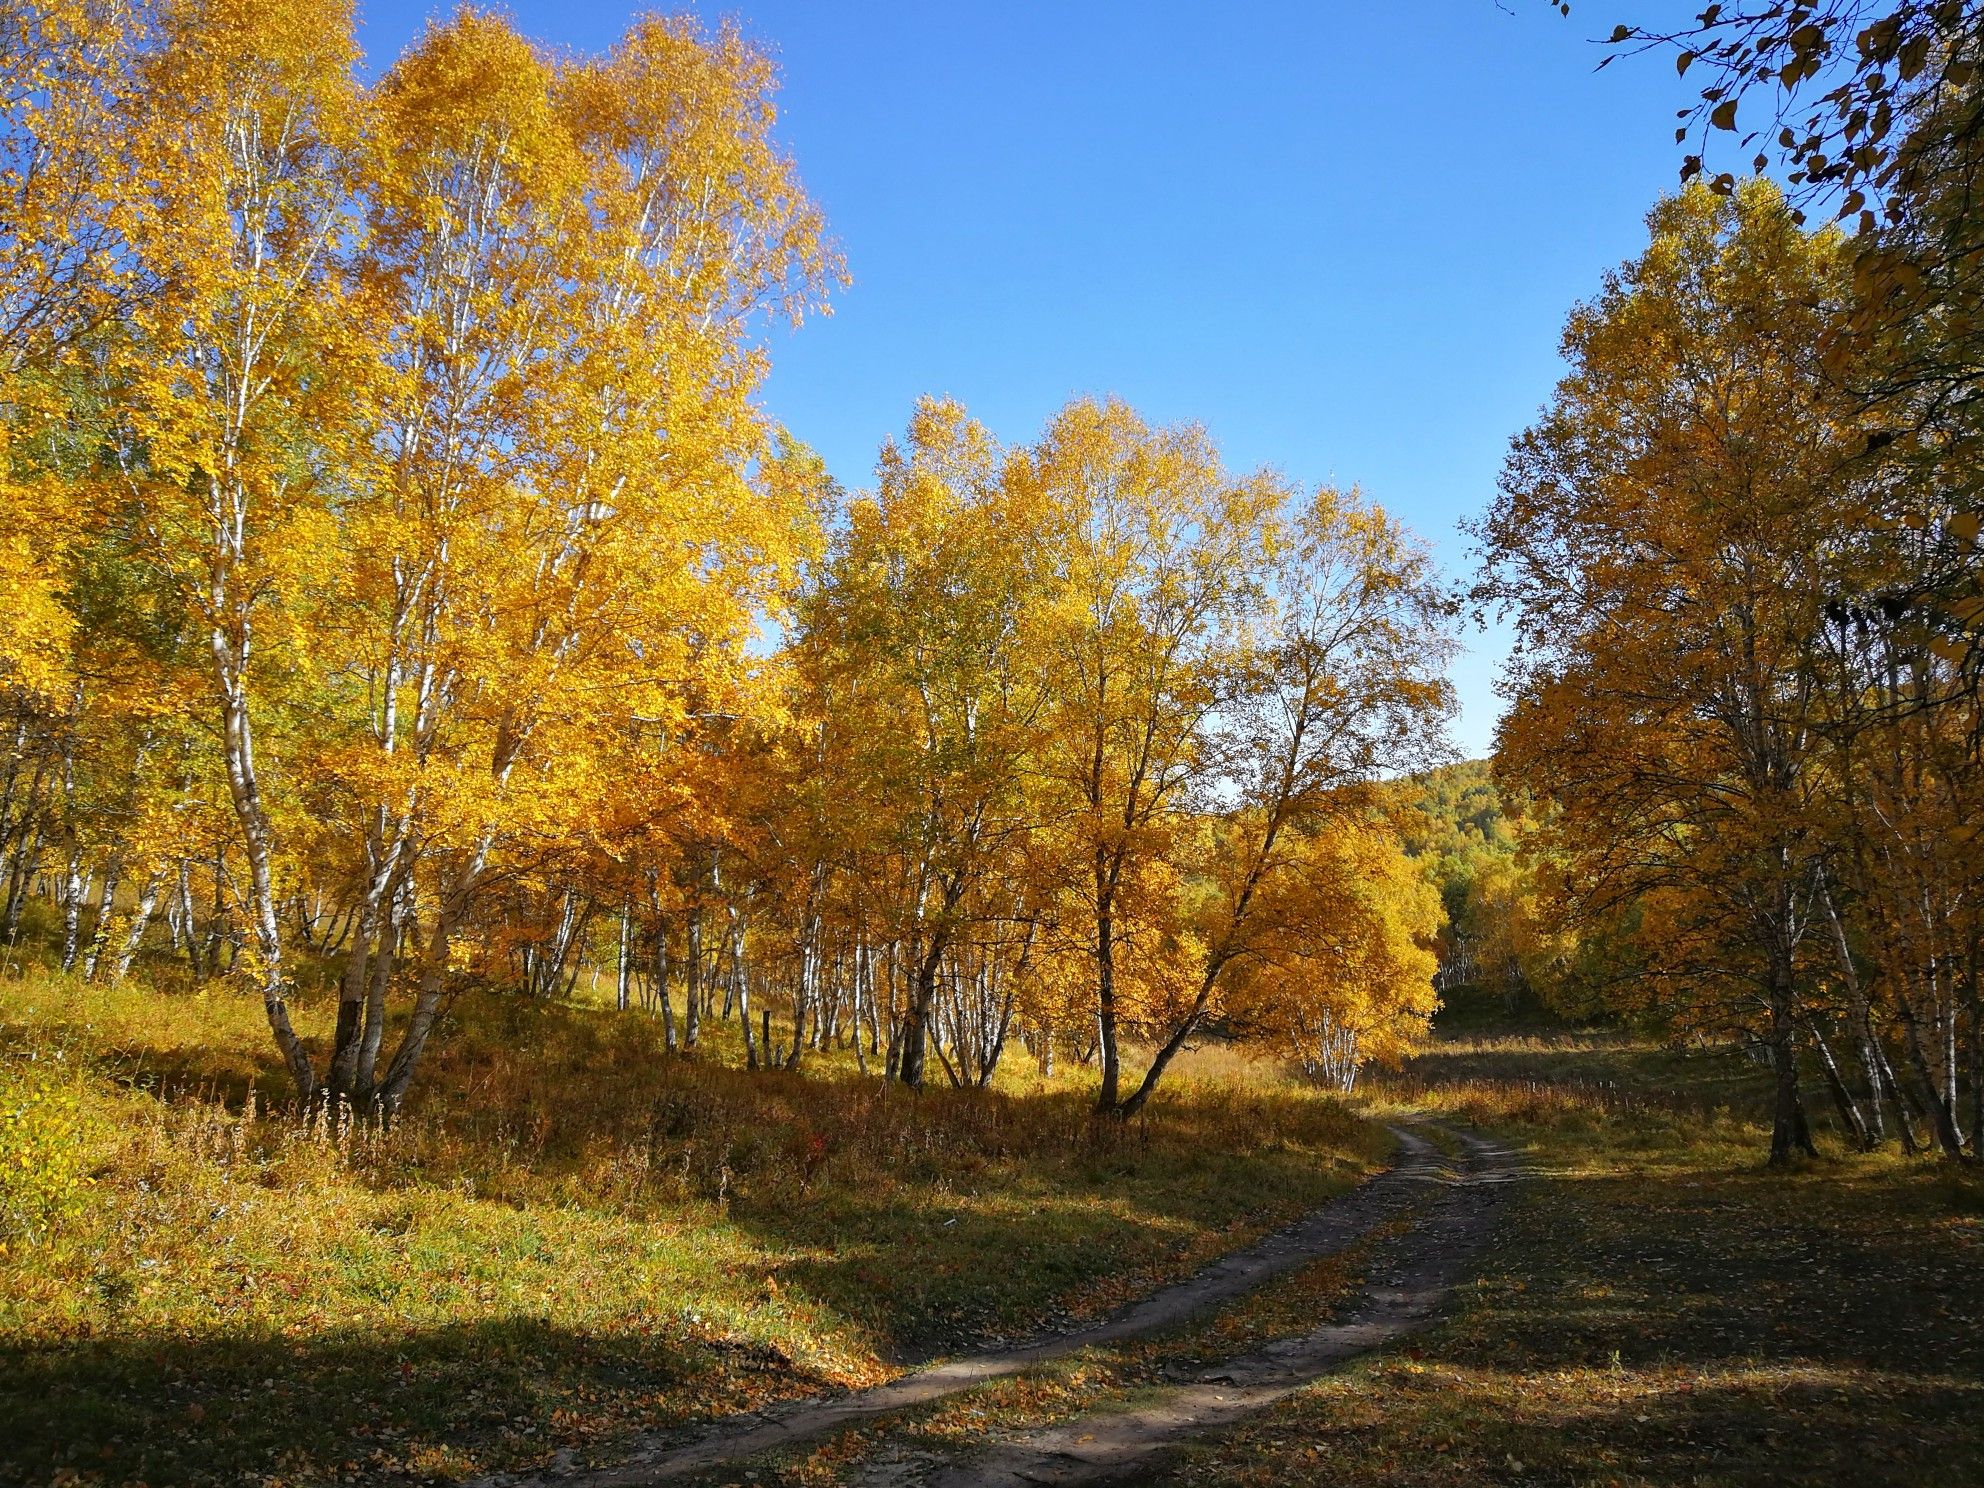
pixel 44 1139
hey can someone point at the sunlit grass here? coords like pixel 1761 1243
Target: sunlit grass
pixel 1100 1377
pixel 569 1237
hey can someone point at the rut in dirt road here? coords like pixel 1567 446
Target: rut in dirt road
pixel 1411 1276
pixel 1325 1230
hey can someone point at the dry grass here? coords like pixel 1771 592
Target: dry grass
pixel 571 1237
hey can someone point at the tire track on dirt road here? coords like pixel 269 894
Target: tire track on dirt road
pixel 1328 1229
pixel 1411 1276
pixel 1325 1230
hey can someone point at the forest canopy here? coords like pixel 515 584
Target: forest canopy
pixel 410 591
pixel 397 522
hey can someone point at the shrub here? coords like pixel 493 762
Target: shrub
pixel 44 1142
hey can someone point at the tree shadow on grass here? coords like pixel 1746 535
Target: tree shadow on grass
pixel 873 1217
pixel 445 1402
pixel 1456 1426
pixel 1685 1328
pixel 956 1218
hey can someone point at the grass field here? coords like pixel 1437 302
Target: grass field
pixel 1111 1377
pixel 573 1236
pixel 1658 1309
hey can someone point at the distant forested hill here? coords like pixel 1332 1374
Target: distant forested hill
pixel 1458 827
pixel 1459 814
pixel 1505 934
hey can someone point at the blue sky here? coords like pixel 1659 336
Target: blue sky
pixel 1342 236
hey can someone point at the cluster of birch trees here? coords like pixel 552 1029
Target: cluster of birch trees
pixel 406 589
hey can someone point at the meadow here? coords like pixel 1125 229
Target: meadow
pixel 202 1287
pixel 573 1236
pixel 1658 1308
pixel 435 647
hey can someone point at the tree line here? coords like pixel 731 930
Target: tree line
pixel 1740 546
pixel 407 587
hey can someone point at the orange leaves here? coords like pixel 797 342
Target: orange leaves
pixel 1746 633
pixel 1067 698
pixel 435 443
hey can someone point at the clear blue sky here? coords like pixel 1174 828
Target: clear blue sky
pixel 1342 236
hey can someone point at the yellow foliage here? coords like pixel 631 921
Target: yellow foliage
pixel 1341 965
pixel 45 1149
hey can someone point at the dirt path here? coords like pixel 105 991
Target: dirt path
pixel 1327 1229
pixel 1411 1277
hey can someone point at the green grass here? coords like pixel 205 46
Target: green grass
pixel 1659 1309
pixel 571 1237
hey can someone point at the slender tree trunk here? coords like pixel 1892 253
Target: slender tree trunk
pixel 950 1070
pixel 1136 1099
pixel 1001 1031
pixel 195 944
pixel 892 1065
pixel 863 996
pixel 798 1029
pixel 916 1021
pixel 74 890
pixel 26 860
pixel 245 791
pixel 1105 992
pixel 141 915
pixel 624 966
pixel 220 925
pixel 1976 1061
pixel 394 933
pixel 1789 1132
pixel 1851 1120
pixel 349 1033
pixel 1941 1119
pixel 661 985
pixel 361 994
pixel 1218 956
pixel 1870 1068
pixel 451 902
pixel 1906 1109
pixel 692 1011
pixel 740 990
pixel 874 1018
pixel 1185 1029
pixel 106 909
